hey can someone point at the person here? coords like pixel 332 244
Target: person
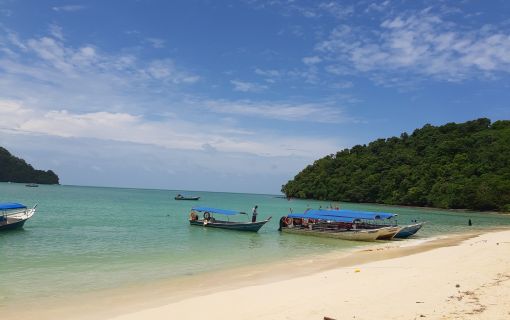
pixel 254 214
pixel 469 222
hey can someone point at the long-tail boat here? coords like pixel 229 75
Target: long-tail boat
pixel 317 225
pixel 204 217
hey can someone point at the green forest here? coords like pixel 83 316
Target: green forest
pixel 454 166
pixel 14 169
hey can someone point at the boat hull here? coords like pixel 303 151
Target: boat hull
pixel 239 226
pixel 409 230
pixel 387 233
pixel 11 225
pixel 353 235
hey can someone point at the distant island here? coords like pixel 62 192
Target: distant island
pixel 454 166
pixel 13 169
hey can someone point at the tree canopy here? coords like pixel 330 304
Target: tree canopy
pixel 455 166
pixel 14 169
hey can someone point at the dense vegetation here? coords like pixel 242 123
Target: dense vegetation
pixel 464 165
pixel 17 170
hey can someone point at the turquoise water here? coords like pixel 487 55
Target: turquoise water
pixel 89 238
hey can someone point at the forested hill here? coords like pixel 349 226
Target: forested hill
pixel 465 165
pixel 17 170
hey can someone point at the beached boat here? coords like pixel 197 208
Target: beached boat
pixel 317 225
pixel 181 197
pixel 14 215
pixel 409 230
pixel 377 220
pixel 204 217
pixel 365 220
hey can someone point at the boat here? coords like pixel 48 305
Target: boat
pixel 409 230
pixel 14 215
pixel 32 185
pixel 344 228
pixel 204 217
pixel 365 220
pixel 181 197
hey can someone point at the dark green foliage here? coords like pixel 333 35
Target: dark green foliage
pixel 456 166
pixel 17 170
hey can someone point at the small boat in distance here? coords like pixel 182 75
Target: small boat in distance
pixel 32 185
pixel 181 197
pixel 208 220
pixel 14 215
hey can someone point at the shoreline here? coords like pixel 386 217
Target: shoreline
pixel 132 300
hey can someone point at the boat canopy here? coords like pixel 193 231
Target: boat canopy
pixel 11 205
pixel 354 214
pixel 220 211
pixel 309 215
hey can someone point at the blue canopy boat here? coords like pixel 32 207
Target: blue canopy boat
pixel 208 220
pixel 319 225
pixel 403 231
pixel 363 220
pixel 14 215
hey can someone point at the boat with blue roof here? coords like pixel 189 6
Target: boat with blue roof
pixel 347 224
pixel 14 215
pixel 205 217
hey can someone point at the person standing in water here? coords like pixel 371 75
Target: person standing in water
pixel 254 214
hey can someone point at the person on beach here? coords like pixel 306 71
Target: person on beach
pixel 254 214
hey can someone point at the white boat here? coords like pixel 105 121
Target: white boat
pixel 14 215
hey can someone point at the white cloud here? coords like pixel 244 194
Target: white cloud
pixel 69 8
pixel 422 44
pixel 244 86
pixel 311 60
pixel 307 112
pixel 168 133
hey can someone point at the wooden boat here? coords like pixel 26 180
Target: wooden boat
pixel 409 230
pixel 343 234
pixel 374 220
pixel 208 220
pixel 181 197
pixel 317 225
pixel 14 215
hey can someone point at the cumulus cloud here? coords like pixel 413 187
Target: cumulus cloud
pixel 422 43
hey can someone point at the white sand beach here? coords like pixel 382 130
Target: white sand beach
pixel 459 277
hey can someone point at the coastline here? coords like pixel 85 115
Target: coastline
pixel 276 286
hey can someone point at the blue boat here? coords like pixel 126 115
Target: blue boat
pixel 409 230
pixel 204 217
pixel 14 215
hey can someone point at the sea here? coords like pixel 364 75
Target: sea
pixel 85 239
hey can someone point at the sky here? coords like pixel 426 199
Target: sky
pixel 237 96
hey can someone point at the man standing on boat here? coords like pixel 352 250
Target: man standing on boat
pixel 254 214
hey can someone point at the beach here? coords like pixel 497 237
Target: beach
pixel 462 276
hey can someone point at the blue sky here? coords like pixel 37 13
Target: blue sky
pixel 237 95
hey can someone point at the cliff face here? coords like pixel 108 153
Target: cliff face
pixel 458 166
pixel 14 169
